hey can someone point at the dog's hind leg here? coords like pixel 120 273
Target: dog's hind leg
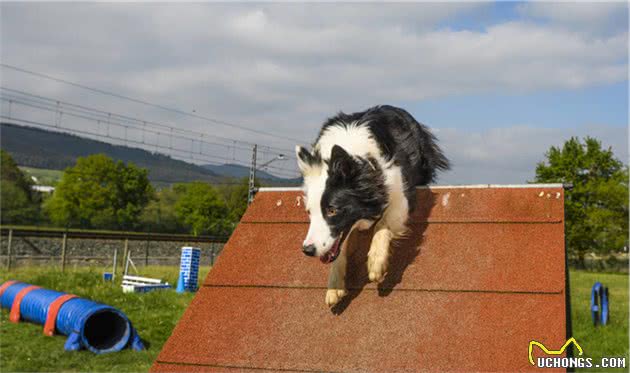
pixel 337 279
pixel 378 256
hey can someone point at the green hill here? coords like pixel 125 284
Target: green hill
pixel 38 148
pixel 239 172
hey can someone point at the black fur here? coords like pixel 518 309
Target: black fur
pixel 355 188
pixel 400 137
pixel 309 158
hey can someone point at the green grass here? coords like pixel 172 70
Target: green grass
pixel 44 176
pixel 612 339
pixel 24 348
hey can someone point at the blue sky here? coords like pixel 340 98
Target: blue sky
pixel 498 82
pixel 489 15
pixel 492 13
pixel 607 104
pixel 550 108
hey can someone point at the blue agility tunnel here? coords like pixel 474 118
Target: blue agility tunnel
pixel 91 325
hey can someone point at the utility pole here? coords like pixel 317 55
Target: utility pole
pixel 252 173
pixel 252 177
pixel 58 115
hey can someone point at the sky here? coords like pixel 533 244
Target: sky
pixel 498 83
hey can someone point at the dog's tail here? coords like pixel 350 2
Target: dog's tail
pixel 433 159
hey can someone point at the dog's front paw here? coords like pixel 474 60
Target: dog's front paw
pixel 377 267
pixel 333 296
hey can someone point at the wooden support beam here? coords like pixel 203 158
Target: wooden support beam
pixel 125 252
pixel 9 249
pixel 63 252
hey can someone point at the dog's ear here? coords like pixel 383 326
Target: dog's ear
pixel 342 163
pixel 307 162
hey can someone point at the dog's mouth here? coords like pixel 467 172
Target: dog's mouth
pixel 334 251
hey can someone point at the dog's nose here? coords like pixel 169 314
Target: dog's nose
pixel 309 250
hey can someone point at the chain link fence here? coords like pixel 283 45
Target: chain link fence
pixel 68 249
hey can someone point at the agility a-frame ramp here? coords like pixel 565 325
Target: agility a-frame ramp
pixel 481 275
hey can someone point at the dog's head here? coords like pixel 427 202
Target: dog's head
pixel 341 193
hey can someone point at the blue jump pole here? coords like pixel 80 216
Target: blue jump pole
pixel 599 304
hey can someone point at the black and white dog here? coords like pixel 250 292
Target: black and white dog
pixel 363 171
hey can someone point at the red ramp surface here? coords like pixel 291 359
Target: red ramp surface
pixel 481 275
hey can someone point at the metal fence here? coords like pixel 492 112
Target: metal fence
pixel 63 248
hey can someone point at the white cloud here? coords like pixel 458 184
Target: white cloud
pixel 510 154
pixel 285 67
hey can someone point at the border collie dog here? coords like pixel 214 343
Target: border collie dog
pixel 363 171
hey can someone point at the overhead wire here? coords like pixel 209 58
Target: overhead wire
pixel 109 122
pixel 106 115
pixel 195 157
pixel 147 103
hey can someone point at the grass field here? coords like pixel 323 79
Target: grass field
pixel 44 176
pixel 611 340
pixel 24 348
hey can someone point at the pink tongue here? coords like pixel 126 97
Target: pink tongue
pixel 330 255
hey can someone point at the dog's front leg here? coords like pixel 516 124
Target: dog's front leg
pixel 337 280
pixel 378 256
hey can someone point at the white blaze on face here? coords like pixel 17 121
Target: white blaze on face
pixel 318 231
pixel 355 138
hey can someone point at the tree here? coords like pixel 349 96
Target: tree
pixel 100 193
pixel 203 210
pixel 597 205
pixel 160 215
pixel 236 199
pixel 19 204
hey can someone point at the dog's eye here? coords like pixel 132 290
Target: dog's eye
pixel 331 211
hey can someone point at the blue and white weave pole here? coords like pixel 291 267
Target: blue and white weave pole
pixel 189 269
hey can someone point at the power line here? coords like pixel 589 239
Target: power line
pixel 87 116
pixel 230 183
pixel 107 120
pixel 192 156
pixel 143 102
pixel 236 182
pixel 196 150
pixel 106 116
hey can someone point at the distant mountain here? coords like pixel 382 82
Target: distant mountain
pixel 34 147
pixel 38 148
pixel 239 171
